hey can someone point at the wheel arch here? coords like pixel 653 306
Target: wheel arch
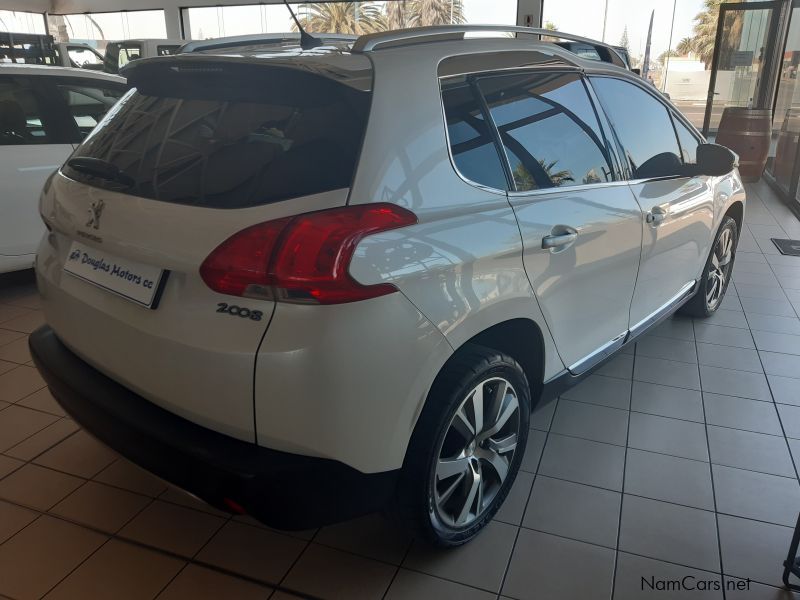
pixel 520 338
pixel 736 212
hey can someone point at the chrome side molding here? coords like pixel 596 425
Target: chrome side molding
pixel 598 355
pixel 664 310
pixel 606 350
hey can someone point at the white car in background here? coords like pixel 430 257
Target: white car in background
pixel 45 112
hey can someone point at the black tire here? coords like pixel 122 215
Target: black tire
pixel 417 491
pixel 699 306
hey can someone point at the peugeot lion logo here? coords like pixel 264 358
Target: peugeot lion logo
pixel 95 210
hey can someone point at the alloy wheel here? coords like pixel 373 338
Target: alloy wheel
pixel 476 453
pixel 720 268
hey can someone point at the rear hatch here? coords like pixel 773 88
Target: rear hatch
pixel 201 148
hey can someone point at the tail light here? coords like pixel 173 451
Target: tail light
pixel 303 259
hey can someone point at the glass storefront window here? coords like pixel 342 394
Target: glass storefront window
pixel 342 17
pixel 786 119
pixel 681 44
pixel 17 21
pixel 97 29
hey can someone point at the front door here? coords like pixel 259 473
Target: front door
pixel 660 150
pixel 580 225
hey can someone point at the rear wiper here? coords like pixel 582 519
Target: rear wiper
pixel 98 167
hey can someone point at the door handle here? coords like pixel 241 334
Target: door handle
pixel 559 240
pixel 656 215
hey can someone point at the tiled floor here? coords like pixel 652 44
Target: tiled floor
pixel 676 459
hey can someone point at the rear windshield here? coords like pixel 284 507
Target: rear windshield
pixel 228 137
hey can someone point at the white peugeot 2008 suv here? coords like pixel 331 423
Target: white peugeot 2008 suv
pixel 311 284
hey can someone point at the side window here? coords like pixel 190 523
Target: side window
pixel 127 54
pixel 688 141
pixel 549 130
pixel 83 56
pixel 471 143
pixel 166 50
pixel 644 127
pixel 22 120
pixel 88 103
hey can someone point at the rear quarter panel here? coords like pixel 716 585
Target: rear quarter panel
pixel 461 265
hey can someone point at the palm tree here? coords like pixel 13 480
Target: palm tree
pixel 685 46
pixel 705 30
pixel 356 18
pixel 525 181
pixel 557 177
pixel 398 15
pixel 550 26
pixel 436 12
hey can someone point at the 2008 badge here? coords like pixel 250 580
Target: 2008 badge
pixel 238 311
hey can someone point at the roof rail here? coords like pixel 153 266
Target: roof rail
pixel 418 35
pixel 256 39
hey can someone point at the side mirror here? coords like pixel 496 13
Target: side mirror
pixel 637 71
pixel 715 160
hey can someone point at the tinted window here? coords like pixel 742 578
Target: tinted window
pixel 688 142
pixel 549 129
pixel 88 103
pixel 474 151
pixel 229 138
pixel 166 50
pixel 22 119
pixel 643 126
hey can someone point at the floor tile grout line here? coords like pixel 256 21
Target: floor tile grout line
pixel 624 470
pixel 157 549
pixel 653 414
pixel 399 567
pixel 780 419
pixel 78 566
pixel 661 500
pixel 116 487
pixel 771 267
pixel 200 510
pixel 263 583
pixel 530 495
pixel 711 472
pixel 50 447
pixel 676 455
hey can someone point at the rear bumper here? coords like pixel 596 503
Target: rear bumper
pixel 283 490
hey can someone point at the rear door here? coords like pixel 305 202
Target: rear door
pixel 580 224
pixel 678 206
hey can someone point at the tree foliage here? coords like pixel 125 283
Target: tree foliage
pixel 705 30
pixel 355 18
pixel 685 46
pixel 368 17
